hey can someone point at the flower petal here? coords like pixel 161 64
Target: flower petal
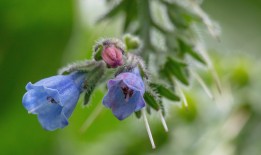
pixel 140 103
pixel 38 100
pixel 53 120
pixel 132 81
pixel 113 82
pixel 121 107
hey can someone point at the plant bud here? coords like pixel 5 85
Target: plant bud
pixel 112 56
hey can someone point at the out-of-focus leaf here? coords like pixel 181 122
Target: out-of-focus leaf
pixel 114 11
pixel 131 14
pixel 188 114
pixel 176 19
pixel 128 8
pixel 177 62
pixel 171 42
pixel 177 69
pixel 165 92
pixel 189 49
pixel 180 16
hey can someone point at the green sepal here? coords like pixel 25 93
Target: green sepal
pixel 98 52
pixel 87 95
pixel 138 114
pixel 151 100
pixel 131 42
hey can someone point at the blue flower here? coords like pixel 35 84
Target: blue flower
pixel 125 94
pixel 53 99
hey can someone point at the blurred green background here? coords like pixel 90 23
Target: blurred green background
pixel 36 38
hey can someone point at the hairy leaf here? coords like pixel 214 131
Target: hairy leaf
pixel 165 92
pixel 151 101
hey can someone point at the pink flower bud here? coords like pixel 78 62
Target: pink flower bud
pixel 112 56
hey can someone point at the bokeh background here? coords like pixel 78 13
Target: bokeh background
pixel 38 37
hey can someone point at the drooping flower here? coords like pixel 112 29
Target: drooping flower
pixel 112 56
pixel 53 99
pixel 125 94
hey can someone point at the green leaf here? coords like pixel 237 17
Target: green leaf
pixel 131 14
pixel 180 16
pixel 177 61
pixel 151 101
pixel 189 49
pixel 166 75
pixel 114 11
pixel 165 92
pixel 177 69
pixel 176 18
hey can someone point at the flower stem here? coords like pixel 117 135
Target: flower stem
pixel 91 118
pixel 148 129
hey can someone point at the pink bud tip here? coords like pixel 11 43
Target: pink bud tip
pixel 112 56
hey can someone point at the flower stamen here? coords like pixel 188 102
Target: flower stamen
pixel 127 93
pixel 51 100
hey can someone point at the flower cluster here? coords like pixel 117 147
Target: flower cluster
pixel 53 99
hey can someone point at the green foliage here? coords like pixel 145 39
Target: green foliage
pixel 152 100
pixel 165 92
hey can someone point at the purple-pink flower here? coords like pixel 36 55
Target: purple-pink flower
pixel 125 94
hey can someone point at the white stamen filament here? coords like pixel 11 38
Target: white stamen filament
pixel 91 118
pixel 148 129
pixel 163 122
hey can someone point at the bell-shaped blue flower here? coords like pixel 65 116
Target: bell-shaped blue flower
pixel 125 94
pixel 53 99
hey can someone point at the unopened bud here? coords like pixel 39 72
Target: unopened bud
pixel 112 56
